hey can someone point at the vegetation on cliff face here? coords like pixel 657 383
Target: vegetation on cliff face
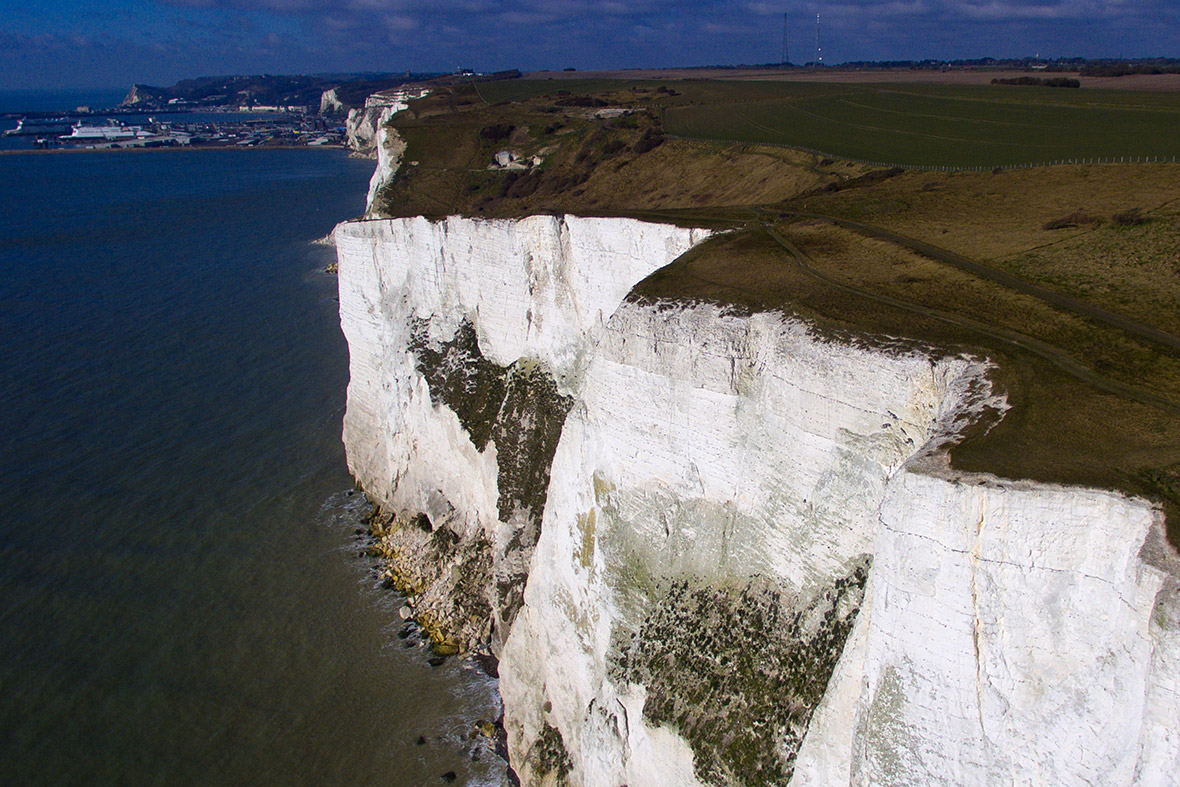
pixel 461 378
pixel 518 409
pixel 738 670
pixel 548 761
pixel 526 431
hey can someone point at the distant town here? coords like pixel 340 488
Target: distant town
pixel 286 128
pixel 234 111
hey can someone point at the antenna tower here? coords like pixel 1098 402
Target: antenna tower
pixel 786 53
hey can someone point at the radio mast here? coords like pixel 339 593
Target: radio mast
pixel 819 53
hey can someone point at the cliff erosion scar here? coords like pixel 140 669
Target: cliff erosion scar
pixel 715 534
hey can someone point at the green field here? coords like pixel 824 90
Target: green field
pixel 934 125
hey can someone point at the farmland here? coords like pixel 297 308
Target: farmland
pixel 944 126
pixel 919 125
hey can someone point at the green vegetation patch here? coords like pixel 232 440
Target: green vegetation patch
pixel 936 125
pixel 525 432
pixel 461 378
pixel 739 670
pixel 520 410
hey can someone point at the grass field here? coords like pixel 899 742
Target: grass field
pixel 957 126
pixel 591 164
pixel 938 125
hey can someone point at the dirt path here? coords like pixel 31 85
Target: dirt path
pixel 1048 352
pixel 1051 297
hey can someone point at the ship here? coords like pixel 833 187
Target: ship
pixel 111 131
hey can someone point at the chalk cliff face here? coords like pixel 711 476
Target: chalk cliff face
pixel 368 135
pixel 363 123
pixel 330 103
pixel 467 342
pixel 718 548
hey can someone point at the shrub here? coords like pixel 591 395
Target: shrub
pixel 506 183
pixel 496 132
pixel 649 141
pixel 1129 218
pixel 523 186
pixel 581 101
pixel 1125 69
pixel 1038 82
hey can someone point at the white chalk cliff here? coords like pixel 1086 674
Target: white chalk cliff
pixel 368 134
pixel 722 548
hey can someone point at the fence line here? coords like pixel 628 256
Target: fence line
pixel 941 167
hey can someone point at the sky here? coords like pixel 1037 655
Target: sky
pixel 46 44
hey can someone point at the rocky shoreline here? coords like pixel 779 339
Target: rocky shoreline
pixel 375 540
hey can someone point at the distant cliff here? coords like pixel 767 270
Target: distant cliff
pixel 265 90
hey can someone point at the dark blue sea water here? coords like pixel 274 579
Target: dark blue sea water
pixel 59 100
pixel 180 597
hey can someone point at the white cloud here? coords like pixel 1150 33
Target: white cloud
pixel 400 22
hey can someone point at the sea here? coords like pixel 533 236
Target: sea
pixel 183 596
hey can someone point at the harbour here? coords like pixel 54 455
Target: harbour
pixel 108 131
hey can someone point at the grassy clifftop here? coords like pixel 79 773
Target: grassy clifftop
pixel 603 150
pixel 1067 276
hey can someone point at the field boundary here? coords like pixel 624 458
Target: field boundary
pixel 939 167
